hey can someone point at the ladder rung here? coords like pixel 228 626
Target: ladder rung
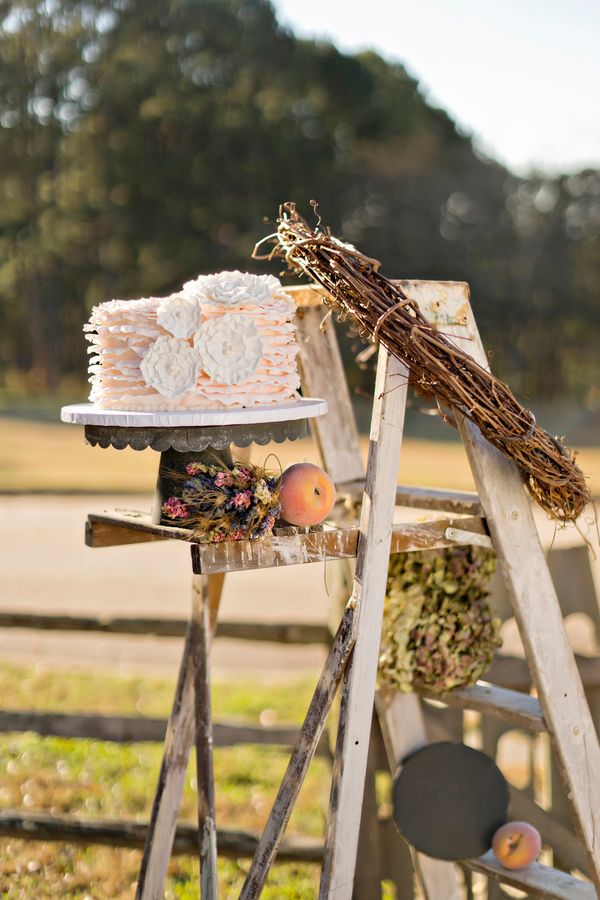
pixel 317 546
pixel 535 879
pixel 458 502
pixel 514 707
pixel 122 527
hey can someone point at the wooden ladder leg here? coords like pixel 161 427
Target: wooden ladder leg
pixel 369 589
pixel 206 592
pixel 302 754
pixel 538 615
pixel 204 617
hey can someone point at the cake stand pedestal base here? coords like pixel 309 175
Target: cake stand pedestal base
pixel 178 447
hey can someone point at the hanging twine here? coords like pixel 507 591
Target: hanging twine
pixel 383 313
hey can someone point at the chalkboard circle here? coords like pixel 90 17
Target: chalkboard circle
pixel 449 800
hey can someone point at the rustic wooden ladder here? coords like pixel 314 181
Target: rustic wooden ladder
pixel 561 709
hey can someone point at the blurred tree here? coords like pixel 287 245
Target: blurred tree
pixel 143 141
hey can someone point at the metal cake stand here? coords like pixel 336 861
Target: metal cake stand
pixel 205 435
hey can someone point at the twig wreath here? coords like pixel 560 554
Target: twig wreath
pixel 383 313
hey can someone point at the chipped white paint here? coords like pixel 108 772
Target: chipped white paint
pixel 458 536
pixel 90 414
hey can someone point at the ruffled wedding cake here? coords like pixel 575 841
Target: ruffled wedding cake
pixel 224 340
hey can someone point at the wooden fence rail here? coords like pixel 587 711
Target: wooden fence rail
pixel 127 729
pixel 270 632
pixel 129 833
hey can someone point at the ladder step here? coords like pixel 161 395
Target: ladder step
pixel 116 528
pixel 514 707
pixel 537 880
pixel 458 502
pixel 328 544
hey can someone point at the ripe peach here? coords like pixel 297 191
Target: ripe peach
pixel 516 844
pixel 307 494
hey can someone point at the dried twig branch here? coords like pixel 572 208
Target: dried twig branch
pixel 382 312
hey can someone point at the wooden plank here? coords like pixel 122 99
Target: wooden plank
pixel 171 779
pixel 456 502
pixel 369 590
pixel 128 527
pixel 287 549
pixel 139 729
pixel 513 671
pixel 167 798
pixel 518 709
pixel 100 532
pixel 318 546
pixel 534 602
pixel 269 632
pixel 131 833
pixel 202 610
pixel 537 880
pixel 369 860
pixel 403 729
pixel 322 375
pixel 303 752
pixel 103 534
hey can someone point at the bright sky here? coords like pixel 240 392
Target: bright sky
pixel 523 76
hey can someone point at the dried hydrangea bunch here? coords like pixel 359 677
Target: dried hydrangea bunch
pixel 438 628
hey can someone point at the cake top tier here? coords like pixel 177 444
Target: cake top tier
pixel 222 340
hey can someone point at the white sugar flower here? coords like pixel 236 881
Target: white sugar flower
pixel 232 288
pixel 230 348
pixel 179 315
pixel 196 289
pixel 170 366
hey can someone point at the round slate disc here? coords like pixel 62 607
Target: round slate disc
pixel 449 800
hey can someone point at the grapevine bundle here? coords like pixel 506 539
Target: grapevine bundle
pixel 383 313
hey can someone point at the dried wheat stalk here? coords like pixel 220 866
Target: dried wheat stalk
pixel 382 312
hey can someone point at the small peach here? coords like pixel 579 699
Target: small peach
pixel 516 845
pixel 307 494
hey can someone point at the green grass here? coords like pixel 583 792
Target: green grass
pixel 96 779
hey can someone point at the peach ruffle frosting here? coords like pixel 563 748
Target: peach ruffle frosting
pixel 224 340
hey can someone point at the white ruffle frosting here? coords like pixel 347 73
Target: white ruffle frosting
pixel 225 340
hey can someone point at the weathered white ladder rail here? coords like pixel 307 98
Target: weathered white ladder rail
pixel 509 517
pixel 534 601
